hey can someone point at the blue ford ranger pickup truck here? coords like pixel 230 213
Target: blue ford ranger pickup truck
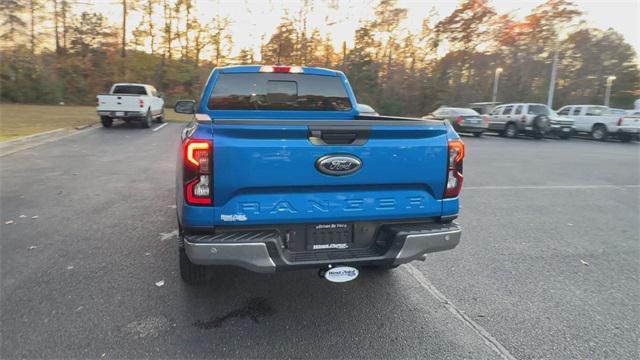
pixel 278 171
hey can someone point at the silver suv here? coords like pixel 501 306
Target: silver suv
pixel 528 118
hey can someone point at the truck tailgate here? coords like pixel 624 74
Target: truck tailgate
pixel 265 171
pixel 119 102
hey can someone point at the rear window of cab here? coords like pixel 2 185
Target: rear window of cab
pixel 129 90
pixel 274 91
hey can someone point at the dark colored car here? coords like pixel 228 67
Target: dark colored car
pixel 463 119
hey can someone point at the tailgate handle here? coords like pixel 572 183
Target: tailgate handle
pixel 338 136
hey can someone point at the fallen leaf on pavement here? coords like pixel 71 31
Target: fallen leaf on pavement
pixel 32 247
pixel 160 283
pixel 8 222
pixel 23 216
pixel 584 262
pixel 35 216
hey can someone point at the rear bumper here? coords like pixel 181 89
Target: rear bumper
pixel 470 128
pixel 558 128
pixel 263 251
pixel 124 114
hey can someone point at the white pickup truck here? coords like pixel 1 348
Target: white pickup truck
pixel 130 102
pixel 597 120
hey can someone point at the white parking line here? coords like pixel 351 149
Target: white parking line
pixel 549 187
pixel 489 340
pixel 159 127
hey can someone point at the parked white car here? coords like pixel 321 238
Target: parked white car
pixel 530 118
pixel 130 102
pixel 597 120
pixel 629 126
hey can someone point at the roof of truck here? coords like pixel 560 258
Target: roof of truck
pixel 257 68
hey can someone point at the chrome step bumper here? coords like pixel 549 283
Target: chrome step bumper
pixel 262 251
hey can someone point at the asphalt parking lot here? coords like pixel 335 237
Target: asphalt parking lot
pixel 548 265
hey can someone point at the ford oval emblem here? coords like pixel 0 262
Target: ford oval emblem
pixel 338 164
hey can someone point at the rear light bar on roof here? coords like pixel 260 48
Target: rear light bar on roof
pixel 282 69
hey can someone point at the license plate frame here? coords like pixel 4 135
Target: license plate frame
pixel 329 236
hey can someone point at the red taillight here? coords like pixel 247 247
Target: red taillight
pixel 454 169
pixel 459 120
pixel 485 118
pixel 194 151
pixel 620 122
pixel 141 102
pixel 198 157
pixel 97 102
pixel 282 69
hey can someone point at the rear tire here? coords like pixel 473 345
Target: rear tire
pixel 191 273
pixel 160 118
pixel 511 130
pixel 148 119
pixel 106 121
pixel 599 132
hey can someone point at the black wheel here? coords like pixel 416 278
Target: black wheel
pixel 106 121
pixel 191 273
pixel 599 132
pixel 624 137
pixel 148 119
pixel 160 118
pixel 477 134
pixel 511 130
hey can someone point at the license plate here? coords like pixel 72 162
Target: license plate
pixel 119 113
pixel 566 129
pixel 329 236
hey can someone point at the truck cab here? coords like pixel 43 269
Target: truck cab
pixel 279 171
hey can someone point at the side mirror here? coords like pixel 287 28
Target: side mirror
pixel 185 107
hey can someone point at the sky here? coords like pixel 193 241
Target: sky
pixel 251 18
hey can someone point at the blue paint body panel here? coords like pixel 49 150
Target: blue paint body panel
pixel 266 173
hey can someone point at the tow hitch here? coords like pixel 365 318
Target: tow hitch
pixel 339 274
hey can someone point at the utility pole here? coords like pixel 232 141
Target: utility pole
pixel 496 78
pixel 124 28
pixel 607 93
pixel 552 81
